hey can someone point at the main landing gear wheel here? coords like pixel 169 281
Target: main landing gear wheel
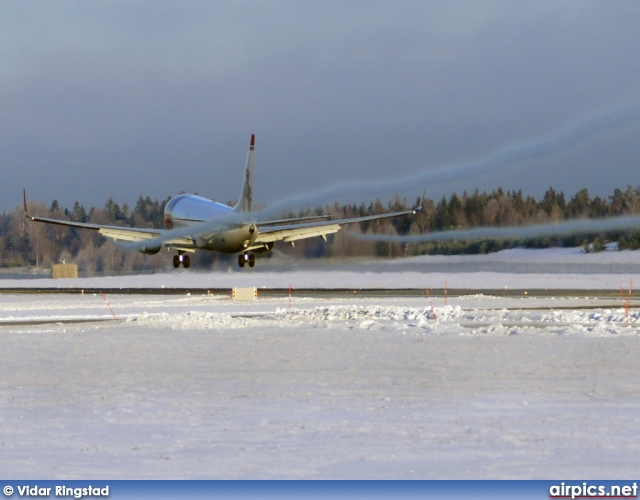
pixel 185 260
pixel 246 258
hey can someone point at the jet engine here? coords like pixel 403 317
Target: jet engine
pixel 151 249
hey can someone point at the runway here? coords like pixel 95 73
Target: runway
pixel 329 293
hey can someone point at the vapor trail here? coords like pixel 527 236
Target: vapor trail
pixel 503 159
pixel 563 228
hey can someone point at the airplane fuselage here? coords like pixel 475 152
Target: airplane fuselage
pixel 187 210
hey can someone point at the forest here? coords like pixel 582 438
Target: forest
pixel 26 244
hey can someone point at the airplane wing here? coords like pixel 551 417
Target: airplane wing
pixel 268 234
pixel 116 233
pixel 120 233
pixel 184 239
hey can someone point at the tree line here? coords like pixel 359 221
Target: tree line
pixel 28 244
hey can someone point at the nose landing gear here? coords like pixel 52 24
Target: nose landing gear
pixel 246 258
pixel 183 259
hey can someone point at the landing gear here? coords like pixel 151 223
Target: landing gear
pixel 246 258
pixel 183 259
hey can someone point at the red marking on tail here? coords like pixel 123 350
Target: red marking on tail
pixel 253 140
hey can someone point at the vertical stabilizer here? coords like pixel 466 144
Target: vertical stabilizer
pixel 246 196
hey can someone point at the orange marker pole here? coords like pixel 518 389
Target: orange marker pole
pixel 109 305
pixel 629 302
pixel 433 311
pixel 625 305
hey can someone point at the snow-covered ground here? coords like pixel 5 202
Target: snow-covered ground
pixel 560 268
pixel 200 386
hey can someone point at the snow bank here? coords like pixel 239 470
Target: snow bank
pixel 451 320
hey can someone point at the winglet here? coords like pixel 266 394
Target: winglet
pixel 24 195
pixel 420 207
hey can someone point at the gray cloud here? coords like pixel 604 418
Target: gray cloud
pixel 125 98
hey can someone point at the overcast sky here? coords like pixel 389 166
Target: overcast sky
pixel 130 98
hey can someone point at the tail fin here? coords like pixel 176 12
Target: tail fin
pixel 246 197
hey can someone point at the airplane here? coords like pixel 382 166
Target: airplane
pixel 193 222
